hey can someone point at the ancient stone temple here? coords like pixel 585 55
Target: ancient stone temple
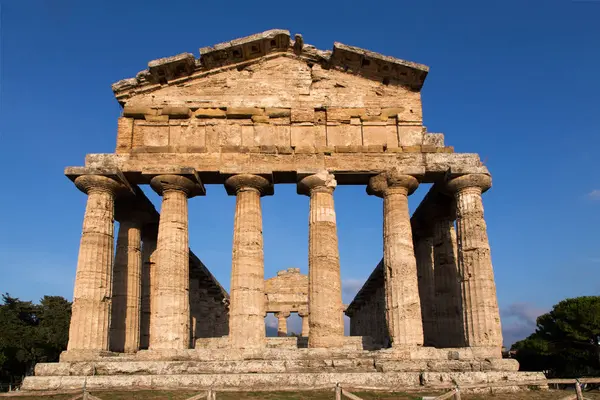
pixel 251 114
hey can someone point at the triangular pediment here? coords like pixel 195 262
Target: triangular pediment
pixel 274 53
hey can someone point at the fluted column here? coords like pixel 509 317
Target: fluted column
pixel 481 318
pixel 149 238
pixel 126 292
pixel 448 301
pixel 170 321
pixel 326 318
pixel 403 307
pixel 282 317
pixel 247 301
pixel 305 325
pixel 425 275
pixel 89 329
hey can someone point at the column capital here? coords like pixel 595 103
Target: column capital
pixel 322 181
pixel 477 181
pixel 179 183
pixel 242 182
pixel 303 314
pixel 91 183
pixel 282 314
pixel 391 181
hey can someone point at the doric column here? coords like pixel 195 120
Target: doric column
pixel 326 319
pixel 149 238
pixel 305 325
pixel 247 307
pixel 423 243
pixel 403 307
pixel 170 322
pixel 89 329
pixel 282 317
pixel 448 301
pixel 481 318
pixel 126 288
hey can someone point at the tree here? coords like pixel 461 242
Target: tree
pixel 31 333
pixel 566 342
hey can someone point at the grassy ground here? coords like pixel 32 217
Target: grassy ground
pixel 320 395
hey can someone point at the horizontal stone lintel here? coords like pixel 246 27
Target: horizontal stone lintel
pixel 349 168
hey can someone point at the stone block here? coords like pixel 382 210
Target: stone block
pixel 268 149
pixel 137 112
pixel 411 149
pixel 124 135
pixel 151 134
pixel 433 139
pixel 302 114
pixel 176 112
pixel 429 149
pixel 410 135
pixel 325 149
pixel 304 149
pixel 344 135
pixel 156 118
pixel 335 114
pixel 278 112
pixel 244 112
pixel 308 135
pixel 260 119
pixel 285 150
pixel 348 149
pixel 247 135
pixel 210 113
pixel 276 135
pixel 380 134
pixel 189 134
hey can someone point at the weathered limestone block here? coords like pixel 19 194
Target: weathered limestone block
pixel 124 135
pixel 481 317
pixel 187 133
pixel 403 307
pixel 150 134
pixel 170 322
pixel 89 328
pixel 126 292
pixel 339 134
pixel 380 133
pixel 410 135
pixel 247 307
pixel 450 332
pixel 308 135
pixel 325 294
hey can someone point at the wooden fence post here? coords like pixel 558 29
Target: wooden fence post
pixel 578 390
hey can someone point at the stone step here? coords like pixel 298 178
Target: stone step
pixel 267 366
pixel 202 367
pixel 391 381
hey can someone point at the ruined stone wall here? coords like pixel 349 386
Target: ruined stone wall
pixel 367 310
pixel 287 292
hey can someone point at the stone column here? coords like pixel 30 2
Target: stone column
pixel 89 329
pixel 448 301
pixel 481 318
pixel 149 237
pixel 305 325
pixel 423 243
pixel 282 317
pixel 326 319
pixel 126 288
pixel 403 306
pixel 170 322
pixel 247 307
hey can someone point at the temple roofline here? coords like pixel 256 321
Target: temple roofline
pixel 350 59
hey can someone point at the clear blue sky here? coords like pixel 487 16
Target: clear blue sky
pixel 515 81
